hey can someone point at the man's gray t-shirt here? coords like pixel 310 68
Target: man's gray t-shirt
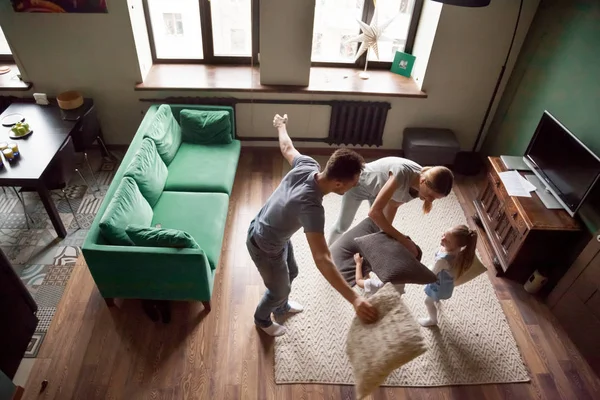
pixel 296 203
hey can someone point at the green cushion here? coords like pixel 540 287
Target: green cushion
pixel 165 132
pixel 148 236
pixel 202 215
pixel 126 207
pixel 202 168
pixel 149 171
pixel 205 127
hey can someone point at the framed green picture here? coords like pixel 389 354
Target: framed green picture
pixel 403 63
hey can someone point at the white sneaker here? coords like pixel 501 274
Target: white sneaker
pixel 295 307
pixel 274 329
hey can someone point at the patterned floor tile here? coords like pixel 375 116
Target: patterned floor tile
pixel 89 205
pixel 19 254
pixel 63 205
pixel 105 177
pixel 85 221
pixel 75 191
pixel 75 238
pixel 108 166
pixel 46 236
pixel 48 295
pixel 44 315
pixel 58 275
pixel 14 221
pixel 7 203
pixel 12 237
pixel 66 255
pixel 33 275
pixel 34 345
pixel 33 290
pixel 43 255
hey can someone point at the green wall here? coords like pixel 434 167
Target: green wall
pixel 558 70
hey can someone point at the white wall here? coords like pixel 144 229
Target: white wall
pixel 95 53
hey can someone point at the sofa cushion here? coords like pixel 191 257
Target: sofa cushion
pixel 391 261
pixel 127 206
pixel 148 170
pixel 149 236
pixel 202 215
pixel 204 168
pixel 165 132
pixel 205 127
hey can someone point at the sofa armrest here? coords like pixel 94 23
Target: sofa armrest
pixel 150 272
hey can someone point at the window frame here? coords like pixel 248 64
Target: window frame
pixel 207 38
pixel 368 12
pixel 7 58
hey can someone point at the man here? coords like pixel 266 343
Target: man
pixel 295 204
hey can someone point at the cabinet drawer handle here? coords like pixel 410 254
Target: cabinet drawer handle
pixel 515 215
pixel 497 184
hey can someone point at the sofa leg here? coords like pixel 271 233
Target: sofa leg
pixel 110 301
pixel 206 305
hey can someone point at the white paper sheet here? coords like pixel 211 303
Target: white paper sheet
pixel 530 187
pixel 515 184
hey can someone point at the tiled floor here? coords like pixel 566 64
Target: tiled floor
pixel 42 260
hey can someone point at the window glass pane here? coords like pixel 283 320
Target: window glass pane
pixel 397 30
pixel 4 49
pixel 335 21
pixel 232 27
pixel 176 28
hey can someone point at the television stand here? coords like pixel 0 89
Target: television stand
pixel 523 235
pixel 543 193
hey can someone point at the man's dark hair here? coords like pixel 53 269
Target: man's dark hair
pixel 343 165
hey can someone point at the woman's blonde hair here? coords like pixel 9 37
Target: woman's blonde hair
pixel 467 239
pixel 438 179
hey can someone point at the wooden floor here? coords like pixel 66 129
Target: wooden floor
pixel 93 352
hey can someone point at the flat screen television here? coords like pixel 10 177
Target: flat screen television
pixel 562 162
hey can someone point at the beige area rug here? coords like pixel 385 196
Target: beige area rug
pixel 472 345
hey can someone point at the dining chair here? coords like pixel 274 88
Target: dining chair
pixel 59 173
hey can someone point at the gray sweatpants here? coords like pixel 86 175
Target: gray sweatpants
pixel 351 201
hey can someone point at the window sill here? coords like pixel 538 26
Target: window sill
pixel 235 78
pixel 10 81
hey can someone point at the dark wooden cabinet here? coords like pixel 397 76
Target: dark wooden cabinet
pixel 576 302
pixel 523 234
pixel 17 318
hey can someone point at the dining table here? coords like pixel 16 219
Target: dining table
pixel 50 131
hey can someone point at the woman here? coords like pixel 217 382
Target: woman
pixel 388 183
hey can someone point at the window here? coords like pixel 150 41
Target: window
pixel 173 24
pixel 331 34
pixel 203 31
pixel 5 53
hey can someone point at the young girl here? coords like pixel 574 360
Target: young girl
pixel 372 283
pixel 453 259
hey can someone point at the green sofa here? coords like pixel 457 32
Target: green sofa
pixel 189 192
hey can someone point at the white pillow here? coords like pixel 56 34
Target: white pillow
pixel 375 350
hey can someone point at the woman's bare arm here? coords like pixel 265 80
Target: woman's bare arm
pixel 377 214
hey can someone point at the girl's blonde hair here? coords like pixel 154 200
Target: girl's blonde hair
pixel 467 239
pixel 438 179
